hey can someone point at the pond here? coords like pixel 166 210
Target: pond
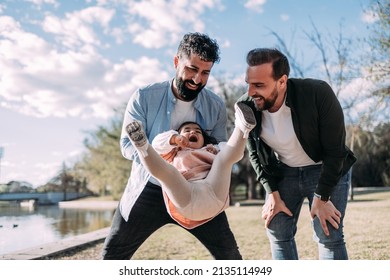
pixel 25 227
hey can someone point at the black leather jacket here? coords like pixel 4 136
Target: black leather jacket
pixel 319 126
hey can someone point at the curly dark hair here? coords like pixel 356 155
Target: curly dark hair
pixel 207 138
pixel 201 45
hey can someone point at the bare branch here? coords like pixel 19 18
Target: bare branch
pixel 283 48
pixel 316 39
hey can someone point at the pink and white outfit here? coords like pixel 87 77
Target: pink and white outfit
pixel 196 183
pixel 194 165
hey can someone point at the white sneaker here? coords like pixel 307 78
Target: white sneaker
pixel 137 136
pixel 245 118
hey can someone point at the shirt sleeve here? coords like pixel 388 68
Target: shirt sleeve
pixel 161 142
pixel 220 131
pixel 134 111
pixel 332 138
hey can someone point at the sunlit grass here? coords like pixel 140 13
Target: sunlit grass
pixel 367 234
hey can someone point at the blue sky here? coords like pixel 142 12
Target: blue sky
pixel 66 64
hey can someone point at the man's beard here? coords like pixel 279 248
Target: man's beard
pixel 267 103
pixel 185 93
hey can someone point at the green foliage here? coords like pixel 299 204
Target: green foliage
pixel 103 165
pixel 65 181
pixel 372 151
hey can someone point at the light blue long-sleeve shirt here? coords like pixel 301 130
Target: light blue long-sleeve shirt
pixel 153 106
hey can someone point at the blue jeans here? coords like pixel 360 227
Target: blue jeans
pixel 297 184
pixel 149 214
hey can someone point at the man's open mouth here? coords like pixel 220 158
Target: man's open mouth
pixel 192 86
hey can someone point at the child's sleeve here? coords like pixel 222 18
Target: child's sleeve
pixel 161 142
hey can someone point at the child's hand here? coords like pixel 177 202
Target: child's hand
pixel 212 149
pixel 180 141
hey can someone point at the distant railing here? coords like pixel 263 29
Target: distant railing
pixel 42 198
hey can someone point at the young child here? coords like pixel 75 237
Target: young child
pixel 195 175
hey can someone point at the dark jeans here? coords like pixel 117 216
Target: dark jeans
pixel 299 183
pixel 149 214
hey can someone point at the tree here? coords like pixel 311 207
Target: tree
pixel 373 166
pixel 379 40
pixel 103 165
pixel 65 181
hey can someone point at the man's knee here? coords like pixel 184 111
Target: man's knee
pixel 281 227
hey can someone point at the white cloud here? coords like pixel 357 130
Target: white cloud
pixel 225 43
pixel 358 93
pixel 76 29
pixel 284 17
pixel 369 17
pixel 118 35
pixel 41 2
pixel 61 83
pixel 40 172
pixel 159 23
pixel 44 171
pixel 255 5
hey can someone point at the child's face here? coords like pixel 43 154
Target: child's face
pixel 194 134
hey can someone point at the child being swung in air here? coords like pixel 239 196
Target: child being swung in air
pixel 194 172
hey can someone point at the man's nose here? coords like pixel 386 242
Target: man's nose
pixel 251 91
pixel 197 78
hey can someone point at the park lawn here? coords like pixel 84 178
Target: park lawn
pixel 367 234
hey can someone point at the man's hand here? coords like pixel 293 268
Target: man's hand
pixel 273 205
pixel 325 211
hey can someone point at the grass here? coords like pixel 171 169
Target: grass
pixel 367 235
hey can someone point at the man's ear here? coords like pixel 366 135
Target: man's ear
pixel 175 61
pixel 283 81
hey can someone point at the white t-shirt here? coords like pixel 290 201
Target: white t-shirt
pixel 183 112
pixel 278 133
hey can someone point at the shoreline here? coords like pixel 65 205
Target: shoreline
pixel 57 248
pixel 95 204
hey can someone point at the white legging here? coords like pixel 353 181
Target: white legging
pixel 204 198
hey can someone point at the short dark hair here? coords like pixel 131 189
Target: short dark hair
pixel 207 138
pixel 280 65
pixel 201 45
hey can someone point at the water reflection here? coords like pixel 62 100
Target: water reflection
pixel 23 227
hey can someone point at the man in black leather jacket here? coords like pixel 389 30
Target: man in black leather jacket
pixel 298 151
